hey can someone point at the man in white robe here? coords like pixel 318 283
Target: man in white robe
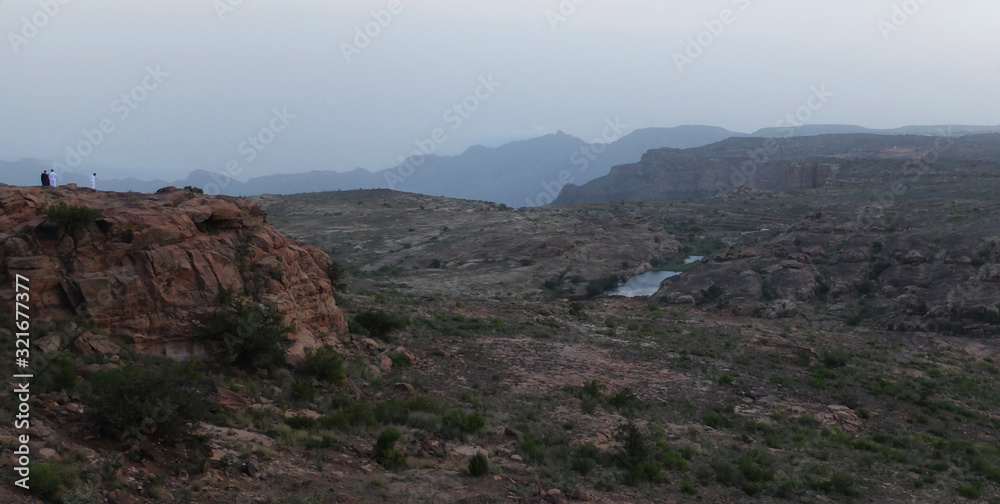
pixel 53 179
pixel 93 181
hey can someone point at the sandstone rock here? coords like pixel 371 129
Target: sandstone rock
pixel 385 363
pixel 229 399
pixel 49 344
pixel 581 495
pixel 404 387
pixel 150 269
pixel 88 343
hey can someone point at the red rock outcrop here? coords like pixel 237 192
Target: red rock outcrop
pixel 150 268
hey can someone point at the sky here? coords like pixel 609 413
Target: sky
pixel 158 88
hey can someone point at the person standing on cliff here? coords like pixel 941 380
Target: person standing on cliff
pixel 53 179
pixel 45 178
pixel 93 181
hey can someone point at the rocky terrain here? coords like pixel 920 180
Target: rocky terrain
pixel 149 268
pixel 444 246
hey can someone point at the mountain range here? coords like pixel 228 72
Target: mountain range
pixel 522 173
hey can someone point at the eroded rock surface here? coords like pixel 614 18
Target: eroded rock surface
pixel 150 268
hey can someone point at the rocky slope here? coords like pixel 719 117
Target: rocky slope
pixel 930 265
pixel 150 268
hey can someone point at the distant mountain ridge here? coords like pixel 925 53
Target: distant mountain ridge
pixel 523 173
pixel 784 164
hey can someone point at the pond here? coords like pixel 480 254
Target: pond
pixel 646 284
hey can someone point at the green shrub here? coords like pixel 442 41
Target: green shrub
pixel 141 399
pixel 49 480
pixel 301 422
pixel 379 324
pixel 625 399
pixel 688 487
pixel 325 363
pixel 583 465
pixel 71 218
pixel 303 392
pixel 400 359
pixel 642 472
pixel 254 335
pixel 394 460
pixel 359 414
pixel 336 273
pixel 386 452
pixel 632 445
pixel 196 190
pixel 386 441
pixel 675 461
pixel 969 491
pixel 833 359
pixel 61 374
pixel 458 421
pixel 479 465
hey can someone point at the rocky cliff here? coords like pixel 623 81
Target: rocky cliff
pixel 785 164
pixel 150 268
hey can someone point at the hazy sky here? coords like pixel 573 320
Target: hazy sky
pixel 201 76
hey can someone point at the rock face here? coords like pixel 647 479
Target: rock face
pixel 784 164
pixel 150 268
pixel 809 175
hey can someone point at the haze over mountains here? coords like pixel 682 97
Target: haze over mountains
pixel 522 173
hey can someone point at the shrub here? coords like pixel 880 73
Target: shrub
pixel 674 460
pixel 139 399
pixel 301 422
pixel 196 190
pixel 400 359
pixel 303 392
pixel 688 487
pixel 479 465
pixel 254 335
pixel 594 388
pixel 459 422
pixel 394 460
pixel 632 445
pixel 49 480
pixel 337 274
pixel 642 472
pixel 72 218
pixel 386 441
pixel 380 324
pixel 583 465
pixel 62 374
pixel 386 452
pixel 325 363
pixel 625 399
pixel 357 414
